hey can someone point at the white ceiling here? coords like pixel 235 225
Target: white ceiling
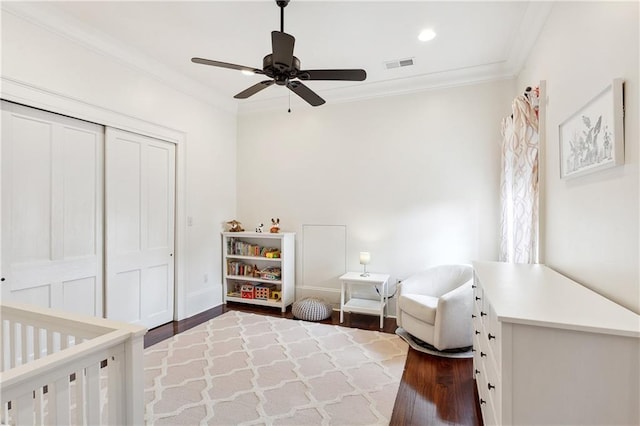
pixel 476 41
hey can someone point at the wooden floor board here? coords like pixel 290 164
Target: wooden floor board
pixel 433 391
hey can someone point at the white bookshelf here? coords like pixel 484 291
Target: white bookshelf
pixel 241 258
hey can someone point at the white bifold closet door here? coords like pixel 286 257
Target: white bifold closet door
pixel 140 211
pixel 52 205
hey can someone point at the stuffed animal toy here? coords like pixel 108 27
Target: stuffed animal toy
pixel 235 226
pixel 275 226
pixel 260 228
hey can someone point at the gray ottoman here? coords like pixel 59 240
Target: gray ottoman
pixel 311 309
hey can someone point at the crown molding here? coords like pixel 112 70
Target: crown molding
pixel 396 87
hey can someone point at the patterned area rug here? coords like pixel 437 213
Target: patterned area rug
pixel 247 369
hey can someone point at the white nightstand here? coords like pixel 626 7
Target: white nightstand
pixel 363 306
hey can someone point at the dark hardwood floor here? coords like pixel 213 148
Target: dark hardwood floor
pixel 433 390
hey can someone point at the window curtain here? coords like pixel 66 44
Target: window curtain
pixel 519 181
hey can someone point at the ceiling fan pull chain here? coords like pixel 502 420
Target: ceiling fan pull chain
pixel 289 102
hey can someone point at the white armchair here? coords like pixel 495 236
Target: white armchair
pixel 435 306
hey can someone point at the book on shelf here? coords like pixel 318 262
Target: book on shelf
pixel 237 247
pixel 242 269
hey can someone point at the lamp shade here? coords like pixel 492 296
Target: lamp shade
pixel 365 257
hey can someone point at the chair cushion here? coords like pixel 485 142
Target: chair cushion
pixel 419 306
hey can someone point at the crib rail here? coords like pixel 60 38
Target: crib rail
pixel 60 368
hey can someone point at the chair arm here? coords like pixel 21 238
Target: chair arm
pixel 453 318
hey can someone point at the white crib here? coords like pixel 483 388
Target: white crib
pixel 64 369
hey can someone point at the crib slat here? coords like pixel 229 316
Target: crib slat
pixel 23 409
pixel 49 342
pixel 36 343
pixel 38 407
pixel 4 414
pixel 59 402
pixel 12 345
pixel 64 341
pixel 80 392
pixel 92 402
pixel 115 391
pixel 24 355
pixel 4 343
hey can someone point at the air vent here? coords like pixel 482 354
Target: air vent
pixel 398 63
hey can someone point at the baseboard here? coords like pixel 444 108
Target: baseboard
pixel 200 301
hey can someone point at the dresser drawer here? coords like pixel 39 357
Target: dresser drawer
pixel 493 333
pixel 478 296
pixel 486 400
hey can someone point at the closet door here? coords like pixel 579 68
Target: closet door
pixel 52 201
pixel 140 194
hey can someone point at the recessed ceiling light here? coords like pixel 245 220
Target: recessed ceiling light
pixel 427 34
pixel 247 72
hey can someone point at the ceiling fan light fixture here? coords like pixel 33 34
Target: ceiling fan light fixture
pixel 427 34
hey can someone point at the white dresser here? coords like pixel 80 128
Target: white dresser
pixel 549 351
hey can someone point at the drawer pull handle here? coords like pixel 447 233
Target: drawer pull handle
pixel 490 386
pixel 483 314
pixel 473 316
pixel 482 354
pixel 482 401
pixel 477 332
pixel 477 371
pixel 477 298
pixel 473 286
pixel 491 336
pixel 473 349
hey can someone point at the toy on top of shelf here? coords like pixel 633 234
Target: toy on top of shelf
pixel 275 226
pixel 235 226
pixel 259 228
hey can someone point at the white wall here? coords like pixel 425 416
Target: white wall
pixel 591 222
pixel 45 60
pixel 414 178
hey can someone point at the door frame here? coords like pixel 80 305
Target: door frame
pixel 36 97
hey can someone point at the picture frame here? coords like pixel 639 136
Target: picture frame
pixel 592 138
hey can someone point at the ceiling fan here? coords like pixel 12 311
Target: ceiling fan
pixel 284 69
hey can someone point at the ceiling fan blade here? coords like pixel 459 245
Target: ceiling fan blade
pixel 282 44
pixel 348 75
pixel 305 93
pixel 226 65
pixel 254 89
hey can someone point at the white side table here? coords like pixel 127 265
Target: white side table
pixel 363 306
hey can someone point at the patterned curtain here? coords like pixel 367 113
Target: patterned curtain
pixel 519 182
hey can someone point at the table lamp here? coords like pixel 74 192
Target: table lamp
pixel 365 258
